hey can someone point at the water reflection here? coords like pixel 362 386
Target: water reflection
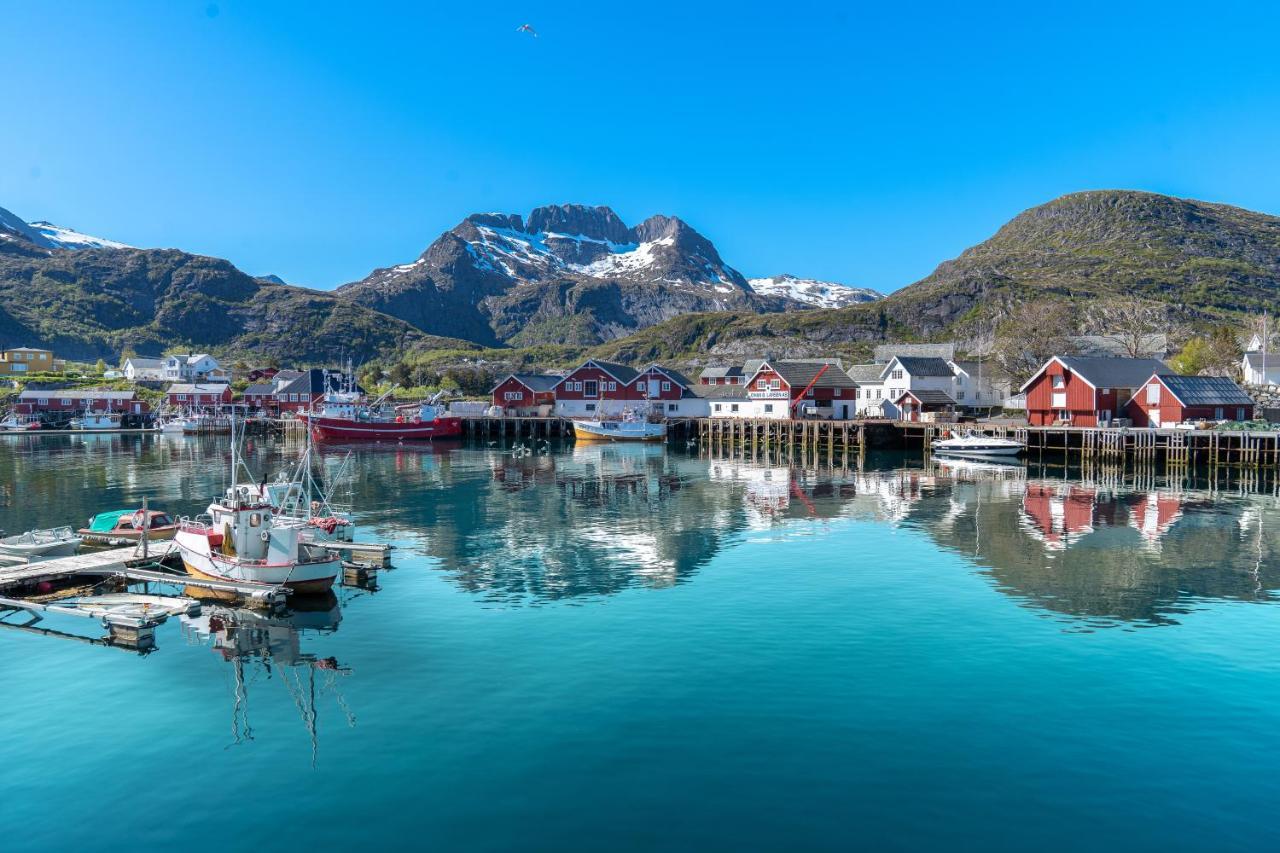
pixel 264 647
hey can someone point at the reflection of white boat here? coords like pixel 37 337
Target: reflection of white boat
pixel 96 420
pixel 974 444
pixel 41 544
pixel 631 427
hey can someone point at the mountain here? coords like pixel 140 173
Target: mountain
pixel 1206 261
pixel 94 302
pixel 565 274
pixel 819 294
pixel 65 238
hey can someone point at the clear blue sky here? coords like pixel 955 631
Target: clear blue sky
pixel 858 142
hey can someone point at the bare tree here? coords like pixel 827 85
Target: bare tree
pixel 1133 326
pixel 1033 333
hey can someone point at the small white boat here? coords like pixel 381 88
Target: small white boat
pixel 977 445
pixel 630 427
pixel 41 544
pixel 96 420
pixel 171 426
pixel 20 423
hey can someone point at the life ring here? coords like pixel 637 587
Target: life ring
pixel 139 520
pixel 265 536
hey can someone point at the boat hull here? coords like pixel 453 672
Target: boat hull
pixel 338 429
pixel 618 431
pixel 301 578
pixel 993 451
pixel 41 550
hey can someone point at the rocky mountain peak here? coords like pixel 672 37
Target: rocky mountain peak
pixel 579 220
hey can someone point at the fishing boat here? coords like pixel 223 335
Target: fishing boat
pixel 41 544
pixel 128 524
pixel 972 444
pixel 175 425
pixel 238 539
pixel 96 420
pixel 343 416
pixel 20 423
pixel 630 427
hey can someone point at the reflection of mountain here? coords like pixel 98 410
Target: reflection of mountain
pixel 266 646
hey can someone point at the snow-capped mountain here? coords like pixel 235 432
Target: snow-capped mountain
pixel 819 294
pixel 67 238
pixel 565 273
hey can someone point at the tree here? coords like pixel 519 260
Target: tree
pixel 100 367
pixel 401 374
pixel 1130 324
pixel 1193 359
pixel 1033 333
pixel 1216 354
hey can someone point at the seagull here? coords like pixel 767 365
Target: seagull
pixel 527 28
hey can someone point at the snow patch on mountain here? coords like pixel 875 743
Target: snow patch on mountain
pixel 819 294
pixel 67 238
pixel 625 260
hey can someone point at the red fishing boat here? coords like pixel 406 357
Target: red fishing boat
pixel 343 416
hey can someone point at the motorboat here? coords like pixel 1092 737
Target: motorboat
pixel 172 426
pixel 96 420
pixel 41 544
pixel 975 444
pixel 238 539
pixel 128 525
pixel 630 427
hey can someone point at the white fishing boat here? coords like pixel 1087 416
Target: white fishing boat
pixel 171 426
pixel 19 423
pixel 41 544
pixel 96 420
pixel 630 427
pixel 972 444
pixel 239 539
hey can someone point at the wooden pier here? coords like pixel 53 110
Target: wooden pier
pixel 484 426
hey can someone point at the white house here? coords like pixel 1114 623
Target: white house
pixel 914 373
pixel 870 390
pixel 193 367
pixel 977 386
pixel 1257 369
pixel 144 369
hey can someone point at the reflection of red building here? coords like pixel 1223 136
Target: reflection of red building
pixel 1152 514
pixel 1058 515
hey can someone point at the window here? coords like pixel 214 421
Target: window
pixel 1059 382
pixel 897 374
pixel 879 393
pixel 513 395
pixel 717 407
pixel 591 388
pixel 611 386
pixel 18 368
pixel 837 392
pixel 775 385
pixel 66 401
pixel 1153 393
pixel 1217 414
pixel 666 386
pixel 182 397
pixel 768 407
pixel 673 407
pixel 44 401
pixel 1240 414
pixel 959 395
pixel 959 378
pixel 763 385
pixel 733 407
pixel 590 407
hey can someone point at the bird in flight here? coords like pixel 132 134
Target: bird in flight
pixel 527 28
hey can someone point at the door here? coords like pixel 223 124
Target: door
pixel 653 388
pixel 1154 414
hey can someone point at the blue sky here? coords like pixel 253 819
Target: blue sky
pixel 863 143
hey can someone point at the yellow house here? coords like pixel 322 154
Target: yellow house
pixel 25 360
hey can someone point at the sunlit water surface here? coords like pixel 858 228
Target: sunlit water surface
pixel 631 648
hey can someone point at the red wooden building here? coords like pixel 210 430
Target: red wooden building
pixel 595 387
pixel 69 403
pixel 521 394
pixel 199 396
pixel 1086 391
pixel 261 396
pixel 818 388
pixel 1172 399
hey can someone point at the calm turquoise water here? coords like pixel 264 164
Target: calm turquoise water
pixel 626 648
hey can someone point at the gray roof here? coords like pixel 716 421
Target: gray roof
pixel 885 353
pixel 720 372
pixel 720 392
pixel 1107 372
pixel 1255 361
pixel 197 388
pixel 868 374
pixel 620 372
pixel 799 374
pixel 924 365
pixel 1206 390
pixel 69 394
pixel 676 376
pixel 145 363
pixel 751 365
pixel 260 388
pixel 928 397
pixel 534 381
